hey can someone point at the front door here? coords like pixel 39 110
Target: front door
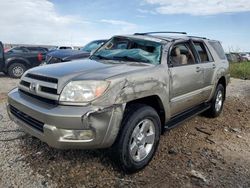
pixel 1 57
pixel 187 78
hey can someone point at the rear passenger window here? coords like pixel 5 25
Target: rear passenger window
pixel 218 49
pixel 203 52
pixel 181 55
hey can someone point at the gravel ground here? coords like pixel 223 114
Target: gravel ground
pixel 202 152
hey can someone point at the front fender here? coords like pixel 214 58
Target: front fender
pixel 137 86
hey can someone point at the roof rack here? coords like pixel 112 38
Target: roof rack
pixel 158 32
pixel 198 37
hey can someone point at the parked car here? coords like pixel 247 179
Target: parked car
pixel 17 60
pixel 62 48
pixel 58 56
pixel 238 57
pixel 232 58
pixel 123 96
pixel 245 56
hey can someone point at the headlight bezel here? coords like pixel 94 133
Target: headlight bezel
pixel 86 85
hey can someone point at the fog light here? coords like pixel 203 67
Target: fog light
pixel 79 135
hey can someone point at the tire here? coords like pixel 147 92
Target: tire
pixel 217 102
pixel 138 139
pixel 16 70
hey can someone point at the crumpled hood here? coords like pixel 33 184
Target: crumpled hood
pixel 86 70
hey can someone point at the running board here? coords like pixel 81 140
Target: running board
pixel 176 120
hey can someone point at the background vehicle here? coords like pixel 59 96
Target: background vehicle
pixel 61 48
pixel 245 56
pixel 238 57
pixel 124 95
pixel 58 56
pixel 17 60
pixel 232 58
pixel 1 57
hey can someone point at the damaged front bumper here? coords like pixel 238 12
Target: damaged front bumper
pixel 65 127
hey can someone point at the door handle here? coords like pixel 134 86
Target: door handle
pixel 198 69
pixel 214 66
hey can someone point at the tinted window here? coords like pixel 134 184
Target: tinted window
pixel 181 54
pixel 37 50
pixel 64 48
pixel 18 50
pixel 203 52
pixel 218 48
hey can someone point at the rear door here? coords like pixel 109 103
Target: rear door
pixel 208 65
pixel 186 78
pixel 1 57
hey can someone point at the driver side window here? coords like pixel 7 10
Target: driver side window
pixel 181 54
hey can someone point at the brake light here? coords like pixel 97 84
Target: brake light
pixel 39 57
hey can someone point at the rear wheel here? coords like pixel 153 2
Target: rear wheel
pixel 217 102
pixel 16 70
pixel 138 139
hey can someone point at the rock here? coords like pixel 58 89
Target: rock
pixel 239 136
pixel 198 175
pixel 235 130
pixel 172 151
pixel 239 110
pixel 189 163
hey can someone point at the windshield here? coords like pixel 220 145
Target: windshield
pixel 92 46
pixel 129 49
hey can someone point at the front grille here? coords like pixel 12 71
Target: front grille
pixel 42 78
pixel 40 87
pixel 45 100
pixel 38 125
pixel 48 90
pixel 24 83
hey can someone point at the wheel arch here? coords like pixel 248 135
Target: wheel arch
pixel 222 81
pixel 10 61
pixel 153 101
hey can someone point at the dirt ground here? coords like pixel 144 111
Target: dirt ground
pixel 202 152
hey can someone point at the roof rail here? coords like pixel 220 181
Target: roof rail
pixel 158 32
pixel 198 37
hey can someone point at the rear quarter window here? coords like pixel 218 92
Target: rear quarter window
pixel 218 49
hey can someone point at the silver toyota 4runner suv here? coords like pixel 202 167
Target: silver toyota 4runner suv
pixel 123 97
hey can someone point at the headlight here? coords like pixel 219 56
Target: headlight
pixel 83 91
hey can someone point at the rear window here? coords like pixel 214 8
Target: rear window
pixel 218 48
pixel 64 47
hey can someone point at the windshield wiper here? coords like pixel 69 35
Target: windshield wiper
pixel 127 58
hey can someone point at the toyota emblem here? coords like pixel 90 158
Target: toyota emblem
pixel 33 87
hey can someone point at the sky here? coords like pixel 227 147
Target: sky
pixel 76 22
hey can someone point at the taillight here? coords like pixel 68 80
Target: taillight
pixel 39 57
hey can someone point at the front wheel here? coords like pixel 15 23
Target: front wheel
pixel 138 139
pixel 217 102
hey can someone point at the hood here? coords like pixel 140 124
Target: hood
pixel 86 70
pixel 62 54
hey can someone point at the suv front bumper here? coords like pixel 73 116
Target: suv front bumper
pixel 65 127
